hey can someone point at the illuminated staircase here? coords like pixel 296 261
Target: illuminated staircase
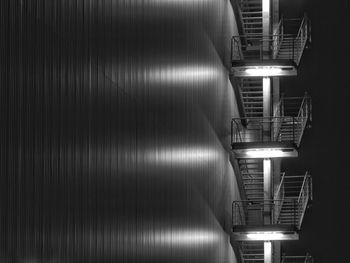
pixel 294 193
pixel 296 36
pixel 251 11
pixel 282 216
pixel 281 133
pixel 252 252
pixel 294 115
pixel 254 54
pixel 252 96
pixel 252 175
pixel 258 137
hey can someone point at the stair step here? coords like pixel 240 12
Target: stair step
pixel 252 92
pixel 252 18
pixel 252 102
pixel 251 12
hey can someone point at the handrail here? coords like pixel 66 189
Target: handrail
pixel 303 21
pixel 280 185
pixel 279 36
pixel 296 259
pixel 255 129
pixel 287 124
pixel 305 103
pixel 277 112
pixel 292 44
pixel 279 27
pixel 235 206
pixel 255 210
pixel 239 50
pixel 239 134
pixel 300 29
pixel 260 36
pixel 304 114
pixel 297 191
pixel 306 177
pixel 278 196
pixel 302 37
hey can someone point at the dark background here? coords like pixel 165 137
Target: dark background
pixel 323 73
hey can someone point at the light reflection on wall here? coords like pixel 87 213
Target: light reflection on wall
pixel 182 156
pixel 185 237
pixel 184 74
pixel 168 2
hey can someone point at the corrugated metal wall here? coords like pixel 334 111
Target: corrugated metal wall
pixel 115 117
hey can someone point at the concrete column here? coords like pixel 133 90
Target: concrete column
pixel 267 106
pixel 266 22
pixel 267 189
pixel 267 252
pixel 266 16
pixel 267 96
pixel 267 134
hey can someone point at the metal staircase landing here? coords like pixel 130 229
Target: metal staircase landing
pixel 254 54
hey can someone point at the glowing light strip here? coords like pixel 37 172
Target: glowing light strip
pixel 264 153
pixel 264 71
pixel 265 236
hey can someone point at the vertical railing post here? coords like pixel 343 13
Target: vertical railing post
pixel 231 50
pixel 231 132
pixel 310 188
pixel 295 212
pixel 293 44
pixel 233 215
pixel 293 124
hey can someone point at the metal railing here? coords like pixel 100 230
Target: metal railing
pixel 280 45
pixel 297 259
pixel 267 129
pixel 304 34
pixel 253 213
pixel 298 107
pixel 257 47
pixel 295 193
pixel 287 208
pixel 279 195
pixel 288 123
pixel 278 36
pixel 304 197
pixel 294 186
pixel 252 251
pixel 294 107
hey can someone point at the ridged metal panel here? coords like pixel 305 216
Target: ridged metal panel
pixel 115 116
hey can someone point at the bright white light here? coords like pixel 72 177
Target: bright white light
pixel 263 71
pixel 267 252
pixel 266 5
pixel 264 153
pixel 266 82
pixel 265 236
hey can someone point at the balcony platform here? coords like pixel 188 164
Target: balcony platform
pixel 264 68
pixel 265 232
pixel 264 149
